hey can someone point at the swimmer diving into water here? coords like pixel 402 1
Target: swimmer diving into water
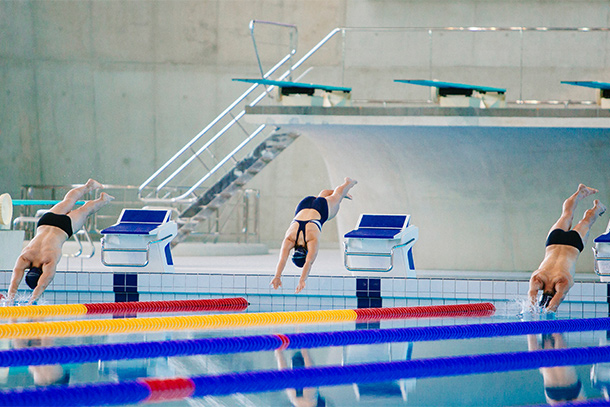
pixel 41 255
pixel 555 275
pixel 303 233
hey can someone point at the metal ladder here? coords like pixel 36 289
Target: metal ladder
pixel 225 176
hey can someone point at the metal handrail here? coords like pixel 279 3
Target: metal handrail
pixel 346 254
pixel 189 197
pixel 293 39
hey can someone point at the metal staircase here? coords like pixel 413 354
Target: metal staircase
pixel 177 183
pixel 225 188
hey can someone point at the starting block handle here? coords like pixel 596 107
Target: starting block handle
pixel 596 259
pixel 147 251
pixel 346 254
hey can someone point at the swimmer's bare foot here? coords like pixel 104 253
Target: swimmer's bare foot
pixel 350 182
pixel 92 185
pixel 599 208
pixel 584 191
pixel 105 197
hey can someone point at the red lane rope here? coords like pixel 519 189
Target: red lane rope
pixel 375 314
pixel 220 304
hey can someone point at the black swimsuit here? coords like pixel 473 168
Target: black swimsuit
pixel 59 221
pixel 569 238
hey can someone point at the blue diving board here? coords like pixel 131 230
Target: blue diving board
pixel 589 84
pixel 41 202
pixel 448 86
pixel 295 86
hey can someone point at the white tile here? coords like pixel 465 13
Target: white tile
pixel 576 290
pixel 387 288
pixel 474 287
pixel 215 281
pixel 349 285
pixel 337 285
pixel 436 286
pixel 154 280
pixel 601 292
pixel 486 287
pixel 512 288
pixel 461 287
pixel 423 286
pixel 400 287
pixel 179 281
pixel 71 279
pixel 588 291
pixel 263 282
pixel 60 279
pixel 226 281
pixel 167 282
pixel 239 282
pixel 313 284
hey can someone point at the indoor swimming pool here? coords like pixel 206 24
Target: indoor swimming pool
pixel 432 345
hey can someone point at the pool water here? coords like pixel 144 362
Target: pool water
pixel 513 388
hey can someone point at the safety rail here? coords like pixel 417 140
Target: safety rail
pixel 161 193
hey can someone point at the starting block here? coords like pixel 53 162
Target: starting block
pixel 306 94
pixel 603 91
pixel 601 255
pixel 141 238
pixel 449 94
pixel 381 244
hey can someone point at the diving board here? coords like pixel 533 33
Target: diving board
pixel 603 90
pixel 306 94
pixel 381 244
pixel 452 94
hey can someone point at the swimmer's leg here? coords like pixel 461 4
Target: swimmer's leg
pixel 74 195
pixel 591 215
pixel 79 216
pixel 334 200
pixel 569 206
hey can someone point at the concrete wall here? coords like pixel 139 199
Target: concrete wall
pixel 111 89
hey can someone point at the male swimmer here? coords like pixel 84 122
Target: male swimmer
pixel 41 255
pixel 555 275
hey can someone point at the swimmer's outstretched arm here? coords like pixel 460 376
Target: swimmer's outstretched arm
pixel 312 253
pixel 287 245
pixel 48 272
pixel 18 271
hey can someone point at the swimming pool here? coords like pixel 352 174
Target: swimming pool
pixel 514 388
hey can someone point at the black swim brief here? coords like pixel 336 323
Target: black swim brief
pixel 569 238
pixel 317 203
pixel 59 221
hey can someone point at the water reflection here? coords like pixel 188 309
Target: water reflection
pixel 305 397
pixel 561 383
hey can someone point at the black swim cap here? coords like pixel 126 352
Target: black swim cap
pixel 32 277
pixel 298 257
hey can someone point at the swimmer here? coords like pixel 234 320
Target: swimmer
pixel 555 275
pixel 561 383
pixel 41 255
pixel 303 233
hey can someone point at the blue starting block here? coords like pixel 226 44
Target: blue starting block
pixel 603 90
pixel 381 243
pixel 141 238
pixel 601 255
pixel 450 94
pixel 306 94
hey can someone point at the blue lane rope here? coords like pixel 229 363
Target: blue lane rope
pixel 138 391
pixel 209 346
